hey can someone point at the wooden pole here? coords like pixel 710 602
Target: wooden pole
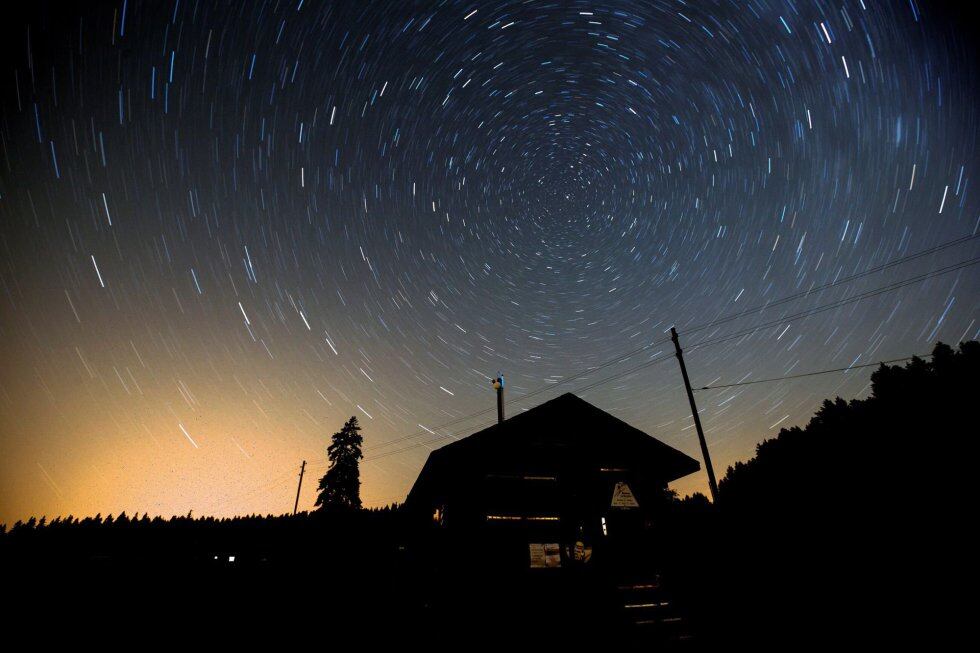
pixel 697 420
pixel 500 405
pixel 302 469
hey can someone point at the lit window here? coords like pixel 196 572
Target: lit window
pixel 605 530
pixel 231 558
pixel 523 518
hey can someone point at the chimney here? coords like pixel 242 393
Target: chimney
pixel 498 385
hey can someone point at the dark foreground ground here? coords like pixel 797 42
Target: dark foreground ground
pixel 715 583
pixel 856 531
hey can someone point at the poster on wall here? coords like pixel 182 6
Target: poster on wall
pixel 544 556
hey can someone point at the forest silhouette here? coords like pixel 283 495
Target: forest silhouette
pixel 852 525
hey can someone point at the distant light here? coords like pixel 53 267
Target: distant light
pixel 605 531
pixel 542 518
pixel 231 558
pixel 523 517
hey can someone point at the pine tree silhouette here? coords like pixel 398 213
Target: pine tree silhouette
pixel 340 487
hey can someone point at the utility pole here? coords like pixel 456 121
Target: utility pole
pixel 697 420
pixel 498 385
pixel 302 469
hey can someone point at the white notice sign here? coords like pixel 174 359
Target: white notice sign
pixel 544 555
pixel 623 497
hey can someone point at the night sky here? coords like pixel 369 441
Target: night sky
pixel 227 227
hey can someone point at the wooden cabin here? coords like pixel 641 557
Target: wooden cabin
pixel 544 488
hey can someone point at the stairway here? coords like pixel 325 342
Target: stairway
pixel 649 610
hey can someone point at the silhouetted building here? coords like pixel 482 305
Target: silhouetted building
pixel 532 489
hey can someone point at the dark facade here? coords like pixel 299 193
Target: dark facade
pixel 564 473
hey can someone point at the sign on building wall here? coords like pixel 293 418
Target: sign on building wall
pixel 623 497
pixel 545 555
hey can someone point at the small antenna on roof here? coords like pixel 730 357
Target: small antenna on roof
pixel 498 385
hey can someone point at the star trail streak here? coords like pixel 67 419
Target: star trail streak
pixel 226 228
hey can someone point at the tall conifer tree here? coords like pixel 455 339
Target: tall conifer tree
pixel 340 487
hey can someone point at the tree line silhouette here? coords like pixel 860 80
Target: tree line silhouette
pixel 853 524
pixel 855 520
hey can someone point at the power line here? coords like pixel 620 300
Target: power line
pixel 848 300
pixel 441 437
pixel 523 397
pixel 722 320
pixel 806 374
pixel 832 284
pixel 529 395
pixel 713 341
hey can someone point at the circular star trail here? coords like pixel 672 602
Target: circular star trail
pixel 228 227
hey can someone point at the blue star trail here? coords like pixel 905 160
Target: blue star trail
pixel 226 228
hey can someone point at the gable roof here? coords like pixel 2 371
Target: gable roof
pixel 566 427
